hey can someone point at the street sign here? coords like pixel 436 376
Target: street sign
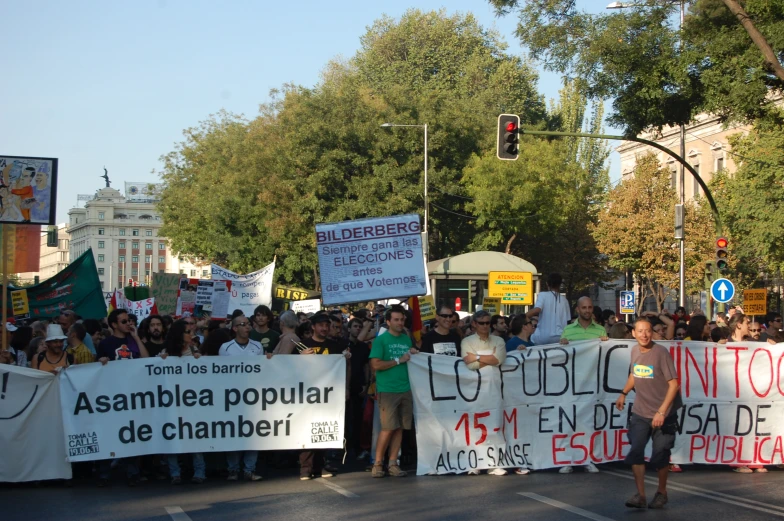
pixel 627 303
pixel 722 290
pixel 512 287
pixel 755 302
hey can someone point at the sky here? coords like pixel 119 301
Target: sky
pixel 114 84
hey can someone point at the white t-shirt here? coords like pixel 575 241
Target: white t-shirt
pixel 553 317
pixel 232 348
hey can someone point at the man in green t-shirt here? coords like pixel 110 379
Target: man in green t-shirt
pixel 261 332
pixel 388 358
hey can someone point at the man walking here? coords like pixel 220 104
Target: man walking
pixel 653 378
pixel 388 358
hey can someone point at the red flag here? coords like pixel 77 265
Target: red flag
pixel 416 318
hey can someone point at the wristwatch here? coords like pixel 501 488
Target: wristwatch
pixel 397 361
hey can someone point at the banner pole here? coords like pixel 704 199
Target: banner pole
pixel 5 286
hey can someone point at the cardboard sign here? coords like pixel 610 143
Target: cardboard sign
pixel 427 308
pixel 755 301
pixel 492 305
pixel 20 304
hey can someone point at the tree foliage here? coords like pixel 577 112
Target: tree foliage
pixel 656 74
pixel 238 192
pixel 635 232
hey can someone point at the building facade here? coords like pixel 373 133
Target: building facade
pixel 53 258
pixel 123 234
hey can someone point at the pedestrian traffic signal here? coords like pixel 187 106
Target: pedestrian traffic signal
pixel 721 254
pixel 508 147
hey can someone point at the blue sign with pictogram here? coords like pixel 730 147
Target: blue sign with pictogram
pixel 722 290
pixel 627 302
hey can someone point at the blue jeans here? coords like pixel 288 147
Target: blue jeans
pixel 249 458
pixel 198 465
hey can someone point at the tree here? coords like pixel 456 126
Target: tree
pixel 635 232
pixel 656 74
pixel 238 192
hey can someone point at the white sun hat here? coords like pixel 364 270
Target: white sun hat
pixel 55 332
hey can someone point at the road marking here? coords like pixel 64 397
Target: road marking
pixel 177 514
pixel 716 496
pixel 336 488
pixel 565 506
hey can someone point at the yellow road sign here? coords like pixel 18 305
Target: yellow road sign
pixel 755 301
pixel 512 287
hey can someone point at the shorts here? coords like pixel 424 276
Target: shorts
pixel 396 410
pixel 640 431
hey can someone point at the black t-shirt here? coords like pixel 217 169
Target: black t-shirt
pixel 439 344
pixel 327 347
pixel 153 348
pixel 360 356
pixel 115 348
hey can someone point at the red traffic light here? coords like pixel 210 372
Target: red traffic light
pixel 722 242
pixel 511 127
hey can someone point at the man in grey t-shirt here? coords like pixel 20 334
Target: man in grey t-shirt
pixel 654 379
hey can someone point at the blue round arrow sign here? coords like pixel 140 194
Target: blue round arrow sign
pixel 722 290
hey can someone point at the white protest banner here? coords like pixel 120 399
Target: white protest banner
pixel 247 291
pixel 141 308
pixel 210 404
pixel 31 430
pixel 312 305
pixel 371 259
pixel 550 406
pixel 204 292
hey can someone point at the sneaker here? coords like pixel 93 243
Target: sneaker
pixel 233 476
pixel 378 471
pixel 473 472
pixel 566 470
pixel 637 501
pixel 396 472
pixel 326 474
pixel 591 468
pixel 761 470
pixel 522 472
pixel 176 480
pixel 659 500
pixel 252 476
pixel 674 467
pixel 497 472
pixel 305 477
pixel 197 480
pixel 363 455
pixel 742 470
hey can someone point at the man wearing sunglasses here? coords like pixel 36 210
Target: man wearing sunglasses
pixel 442 340
pixel 772 326
pixel 124 344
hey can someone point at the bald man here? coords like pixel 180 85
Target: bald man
pixel 584 328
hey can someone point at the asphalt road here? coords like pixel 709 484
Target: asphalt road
pixel 699 493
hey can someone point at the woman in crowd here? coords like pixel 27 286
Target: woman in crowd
pixel 215 338
pixel 304 330
pixel 179 343
pixel 698 329
pixel 620 331
pixel 35 346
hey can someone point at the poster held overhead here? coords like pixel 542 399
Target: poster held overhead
pixel 371 259
pixel 28 189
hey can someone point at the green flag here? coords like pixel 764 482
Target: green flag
pixel 77 288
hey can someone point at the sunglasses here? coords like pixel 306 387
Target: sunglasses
pixel 241 324
pixel 483 323
pixel 776 320
pixel 755 330
pixel 445 316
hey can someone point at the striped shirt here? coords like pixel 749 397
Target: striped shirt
pixel 81 354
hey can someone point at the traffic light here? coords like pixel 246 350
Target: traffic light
pixel 508 147
pixel 721 254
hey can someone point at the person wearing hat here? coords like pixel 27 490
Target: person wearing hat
pixel 55 358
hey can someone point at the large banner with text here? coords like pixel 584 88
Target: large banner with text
pixel 553 405
pixel 211 404
pixel 247 291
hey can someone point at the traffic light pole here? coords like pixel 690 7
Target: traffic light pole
pixel 716 218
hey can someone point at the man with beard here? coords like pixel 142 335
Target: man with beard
pixel 156 333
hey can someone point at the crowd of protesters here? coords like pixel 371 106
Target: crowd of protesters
pixel 377 343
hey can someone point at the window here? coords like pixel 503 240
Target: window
pixel 100 258
pixel 135 245
pixel 121 258
pixel 135 258
pixel 119 271
pixel 161 260
pixel 135 232
pixel 135 272
pixel 204 273
pixel 101 231
pixel 121 245
pixel 193 273
pixel 161 246
pixel 148 259
pixel 719 164
pixel 101 245
pixel 148 233
pixel 147 245
pixel 100 216
pixel 101 284
pixel 122 231
pixel 147 272
pixel 100 271
pixel 696 184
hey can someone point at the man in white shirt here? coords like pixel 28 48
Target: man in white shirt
pixel 553 312
pixel 241 345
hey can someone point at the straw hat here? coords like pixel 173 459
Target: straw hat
pixel 55 332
